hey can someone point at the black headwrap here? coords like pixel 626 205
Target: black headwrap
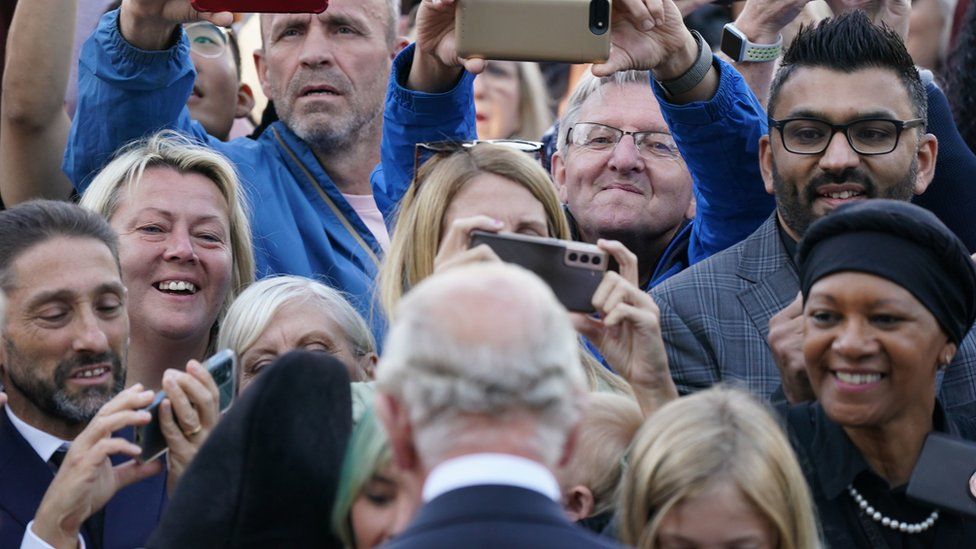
pixel 902 243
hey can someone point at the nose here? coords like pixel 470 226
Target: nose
pixel 855 340
pixel 480 88
pixel 90 336
pixel 316 46
pixel 839 155
pixel 624 157
pixel 179 247
pixel 404 512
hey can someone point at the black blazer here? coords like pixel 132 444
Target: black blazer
pixel 130 515
pixel 494 516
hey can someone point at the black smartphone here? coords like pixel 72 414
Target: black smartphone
pixel 573 270
pixel 223 368
pixel 945 474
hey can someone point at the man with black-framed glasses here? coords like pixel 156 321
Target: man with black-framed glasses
pixel 846 123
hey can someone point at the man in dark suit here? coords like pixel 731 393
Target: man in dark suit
pixel 67 421
pixel 865 138
pixel 482 407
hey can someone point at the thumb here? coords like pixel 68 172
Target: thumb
pixel 133 471
pixel 474 65
pixel 220 18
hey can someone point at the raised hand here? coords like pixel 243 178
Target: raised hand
pixel 453 250
pixel 187 416
pixel 436 65
pixel 149 24
pixel 87 480
pixel 763 20
pixel 628 332
pixel 647 38
pixel 785 339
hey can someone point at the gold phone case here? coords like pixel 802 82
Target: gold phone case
pixel 531 30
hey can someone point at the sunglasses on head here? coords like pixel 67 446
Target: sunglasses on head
pixel 422 152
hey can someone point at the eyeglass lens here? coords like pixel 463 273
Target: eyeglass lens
pixel 206 39
pixel 864 136
pixel 601 138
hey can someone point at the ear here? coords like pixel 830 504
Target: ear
pixel 396 422
pixel 928 151
pixel 558 170
pixel 766 163
pixel 368 364
pixel 245 101
pixel 947 353
pixel 401 42
pixel 261 64
pixel 579 503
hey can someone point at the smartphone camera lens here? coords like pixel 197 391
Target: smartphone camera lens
pixel 585 258
pixel 573 257
pixel 596 260
pixel 599 16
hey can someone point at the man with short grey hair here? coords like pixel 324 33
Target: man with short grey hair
pixel 482 407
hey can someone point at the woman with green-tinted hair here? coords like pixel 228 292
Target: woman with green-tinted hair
pixel 375 501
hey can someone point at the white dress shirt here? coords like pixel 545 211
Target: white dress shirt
pixel 491 469
pixel 45 445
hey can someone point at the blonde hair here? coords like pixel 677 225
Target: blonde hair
pixel 715 435
pixel 534 116
pixel 419 227
pixel 252 311
pixel 168 149
pixel 604 434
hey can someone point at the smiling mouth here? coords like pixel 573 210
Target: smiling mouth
pixel 178 287
pixel 86 373
pixel 842 195
pixel 858 379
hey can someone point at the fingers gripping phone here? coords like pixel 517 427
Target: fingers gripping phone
pixel 261 6
pixel 573 270
pixel 223 368
pixel 571 31
pixel 945 474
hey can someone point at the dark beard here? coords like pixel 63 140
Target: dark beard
pixel 797 212
pixel 52 399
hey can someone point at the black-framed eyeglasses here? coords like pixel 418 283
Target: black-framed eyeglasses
pixel 601 138
pixel 422 152
pixel 867 136
pixel 206 39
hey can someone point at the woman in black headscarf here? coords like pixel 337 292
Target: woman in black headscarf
pixel 888 295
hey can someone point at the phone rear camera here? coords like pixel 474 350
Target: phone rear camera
pixel 596 260
pixel 599 16
pixel 573 257
pixel 585 258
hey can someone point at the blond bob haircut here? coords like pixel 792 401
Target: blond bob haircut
pixel 717 435
pixel 604 434
pixel 168 149
pixel 251 313
pixel 419 228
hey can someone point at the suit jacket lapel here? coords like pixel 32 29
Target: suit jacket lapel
pixel 775 282
pixel 23 476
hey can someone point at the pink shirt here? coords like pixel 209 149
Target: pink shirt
pixel 365 206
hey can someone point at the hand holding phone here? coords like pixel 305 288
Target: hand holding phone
pixel 573 270
pixel 222 369
pixel 945 474
pixel 261 6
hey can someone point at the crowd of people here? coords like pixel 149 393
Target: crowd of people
pixel 786 322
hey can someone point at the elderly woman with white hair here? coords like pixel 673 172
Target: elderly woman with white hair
pixel 280 314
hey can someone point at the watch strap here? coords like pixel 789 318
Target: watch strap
pixel 694 75
pixel 751 51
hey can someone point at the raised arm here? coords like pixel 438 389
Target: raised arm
pixel 33 123
pixel 134 78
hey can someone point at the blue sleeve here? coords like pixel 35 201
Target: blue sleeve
pixel 952 194
pixel 125 93
pixel 412 117
pixel 719 141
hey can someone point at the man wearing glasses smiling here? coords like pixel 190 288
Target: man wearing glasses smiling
pixel 846 123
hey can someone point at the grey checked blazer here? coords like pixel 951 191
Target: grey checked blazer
pixel 715 318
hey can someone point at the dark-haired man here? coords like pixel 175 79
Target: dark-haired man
pixel 846 123
pixel 62 364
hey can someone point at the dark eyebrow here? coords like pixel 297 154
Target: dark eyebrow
pixel 808 113
pixel 68 295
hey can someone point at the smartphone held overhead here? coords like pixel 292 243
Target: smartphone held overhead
pixel 261 6
pixel 570 31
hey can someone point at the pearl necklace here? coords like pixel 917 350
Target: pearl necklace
pixel 876 515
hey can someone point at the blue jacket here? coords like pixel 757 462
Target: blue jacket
pixel 301 224
pixel 712 136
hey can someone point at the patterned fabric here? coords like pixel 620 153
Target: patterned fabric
pixel 715 319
